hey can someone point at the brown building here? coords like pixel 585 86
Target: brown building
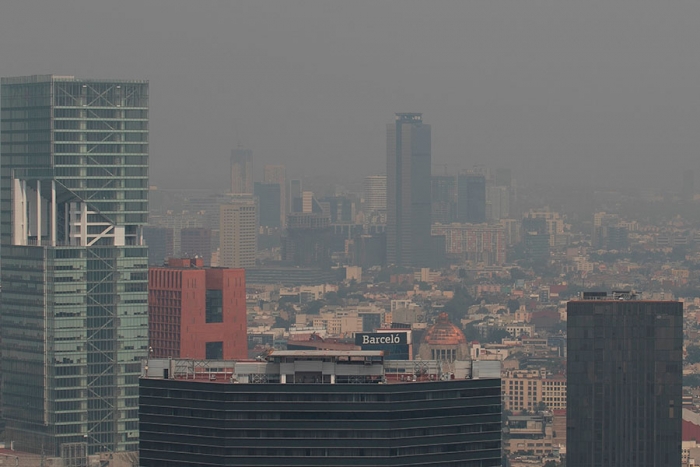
pixel 196 312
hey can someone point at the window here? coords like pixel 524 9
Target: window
pixel 214 307
pixel 215 351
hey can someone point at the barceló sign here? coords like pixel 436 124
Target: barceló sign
pixel 380 338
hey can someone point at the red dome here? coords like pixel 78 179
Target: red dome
pixel 443 332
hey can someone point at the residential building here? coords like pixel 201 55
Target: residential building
pixel 624 375
pixel 196 312
pixel 474 242
pixel 74 318
pixel 319 408
pixel 408 191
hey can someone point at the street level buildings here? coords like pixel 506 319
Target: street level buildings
pixel 408 198
pixel 624 376
pixel 73 201
pixel 319 408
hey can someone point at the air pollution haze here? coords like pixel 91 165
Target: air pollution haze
pixel 597 93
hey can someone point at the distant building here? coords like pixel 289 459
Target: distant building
pixel 471 198
pixel 269 196
pixel 375 196
pixel 238 234
pixel 242 171
pixel 319 408
pixel 408 191
pixel 307 240
pixel 295 198
pixel 444 341
pixel 444 199
pixel 195 242
pixel 160 244
pixel 474 242
pixel 196 312
pixel 278 174
pixel 624 374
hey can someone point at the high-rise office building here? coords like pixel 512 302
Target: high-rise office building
pixel 160 244
pixel 196 312
pixel 471 198
pixel 624 381
pixel 238 234
pixel 408 191
pixel 375 195
pixel 295 200
pixel 278 174
pixel 444 199
pixel 241 171
pixel 74 199
pixel 269 207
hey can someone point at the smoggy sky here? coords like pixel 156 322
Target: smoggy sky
pixel 598 92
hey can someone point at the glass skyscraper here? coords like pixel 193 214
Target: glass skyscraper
pixel 73 200
pixel 624 381
pixel 408 197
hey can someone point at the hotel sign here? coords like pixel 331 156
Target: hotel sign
pixel 381 338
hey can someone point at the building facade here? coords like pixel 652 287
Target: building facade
pixel 278 174
pixel 474 242
pixel 408 194
pixel 374 193
pixel 195 242
pixel 318 408
pixel 624 377
pixel 238 234
pixel 196 312
pixel 73 201
pixel 471 198
pixel 268 195
pixel 529 389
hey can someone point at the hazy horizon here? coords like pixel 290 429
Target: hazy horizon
pixel 594 93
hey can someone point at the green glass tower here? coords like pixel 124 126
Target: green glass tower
pixel 73 200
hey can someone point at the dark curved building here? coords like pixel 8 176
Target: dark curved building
pixel 318 408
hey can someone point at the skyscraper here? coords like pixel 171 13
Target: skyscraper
pixel 471 198
pixel 268 195
pixel 375 195
pixel 238 234
pixel 278 174
pixel 74 320
pixel 624 381
pixel 408 191
pixel 242 171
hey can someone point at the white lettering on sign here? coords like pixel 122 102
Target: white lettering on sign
pixel 390 339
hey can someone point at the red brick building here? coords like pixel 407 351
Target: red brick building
pixel 196 312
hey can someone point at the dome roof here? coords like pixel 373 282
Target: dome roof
pixel 443 332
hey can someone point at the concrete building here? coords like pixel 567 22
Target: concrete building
pixel 526 389
pixel 269 197
pixel 624 375
pixel 160 244
pixel 474 242
pixel 238 237
pixel 408 191
pixel 196 312
pixel 242 171
pixel 319 408
pixel 74 270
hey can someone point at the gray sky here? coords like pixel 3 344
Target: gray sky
pixel 593 91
